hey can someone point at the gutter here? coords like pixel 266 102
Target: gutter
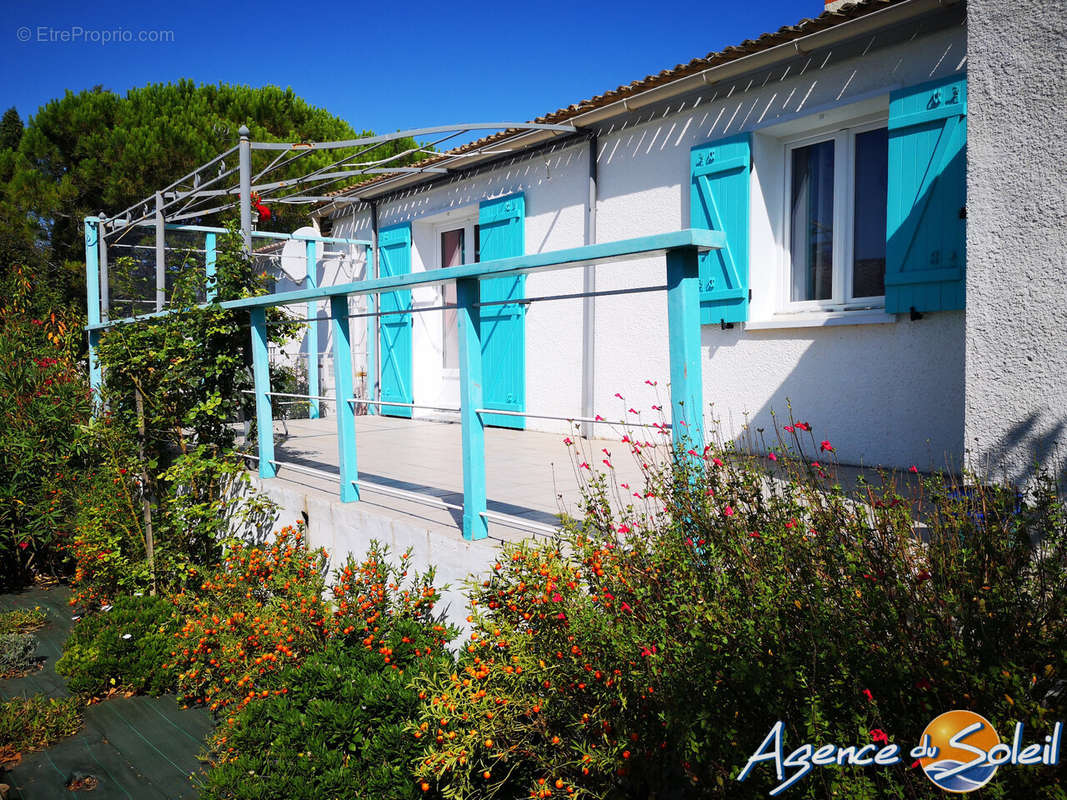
pixel 868 23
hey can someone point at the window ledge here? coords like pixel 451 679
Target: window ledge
pixel 821 319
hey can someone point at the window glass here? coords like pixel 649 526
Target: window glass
pixel 811 237
pixel 868 248
pixel 451 256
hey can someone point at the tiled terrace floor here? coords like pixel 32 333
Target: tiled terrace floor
pixel 530 475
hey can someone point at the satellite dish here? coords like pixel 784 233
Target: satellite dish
pixel 294 257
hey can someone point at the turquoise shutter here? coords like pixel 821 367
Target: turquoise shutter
pixel 502 224
pixel 395 330
pixel 926 209
pixel 718 201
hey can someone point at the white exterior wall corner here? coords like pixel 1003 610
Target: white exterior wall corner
pixel 1016 368
pixel 889 394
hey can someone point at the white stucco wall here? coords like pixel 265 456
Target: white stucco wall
pixel 889 393
pixel 1016 237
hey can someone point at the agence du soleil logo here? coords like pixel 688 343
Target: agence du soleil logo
pixel 960 752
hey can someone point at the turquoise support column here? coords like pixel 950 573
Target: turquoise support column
pixel 313 331
pixel 346 411
pixel 371 378
pixel 683 326
pixel 210 259
pixel 92 300
pixel 261 376
pixel 468 320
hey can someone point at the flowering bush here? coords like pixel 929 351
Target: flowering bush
pixel 659 640
pixel 44 403
pixel 339 729
pixel 123 648
pixel 260 609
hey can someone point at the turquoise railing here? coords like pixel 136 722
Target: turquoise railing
pixel 680 248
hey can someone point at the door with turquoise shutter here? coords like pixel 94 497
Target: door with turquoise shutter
pixel 720 174
pixel 926 228
pixel 395 329
pixel 501 234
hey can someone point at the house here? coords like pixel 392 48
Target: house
pixel 891 188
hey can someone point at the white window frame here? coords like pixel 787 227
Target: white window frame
pixel 467 223
pixel 844 139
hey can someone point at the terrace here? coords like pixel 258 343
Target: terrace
pixel 469 476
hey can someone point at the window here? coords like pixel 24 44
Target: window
pixel 453 253
pixel 836 189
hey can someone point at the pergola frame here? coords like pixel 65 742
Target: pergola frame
pixel 217 186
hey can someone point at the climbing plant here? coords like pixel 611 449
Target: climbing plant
pixel 169 486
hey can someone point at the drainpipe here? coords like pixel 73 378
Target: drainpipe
pixel 589 301
pixel 373 369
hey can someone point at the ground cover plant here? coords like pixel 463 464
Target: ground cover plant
pixel 18 654
pixel 125 648
pixel 23 620
pixel 649 651
pixel 35 722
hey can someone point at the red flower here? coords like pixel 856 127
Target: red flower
pixel 913 468
pixel 24 545
pixel 870 696
pixel 651 383
pixel 728 511
pixel 557 598
pixel 618 395
pixel 717 462
pixel 626 608
pixel 803 426
pixel 755 535
pixel 772 456
pixel 878 735
pixel 568 441
pixel 788 428
pixel 826 446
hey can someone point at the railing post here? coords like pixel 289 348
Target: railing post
pixel 346 411
pixel 261 376
pixel 92 301
pixel 210 260
pixel 468 321
pixel 313 330
pixel 683 326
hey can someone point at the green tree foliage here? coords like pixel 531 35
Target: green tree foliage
pixel 98 151
pixel 11 128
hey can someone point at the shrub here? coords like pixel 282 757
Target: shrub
pixel 125 648
pixel 259 610
pixel 340 728
pixel 31 723
pixel 17 653
pixel 44 402
pixel 658 641
pixel 23 620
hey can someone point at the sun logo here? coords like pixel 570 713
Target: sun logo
pixel 959 743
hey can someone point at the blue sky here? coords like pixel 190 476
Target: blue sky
pixel 382 66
